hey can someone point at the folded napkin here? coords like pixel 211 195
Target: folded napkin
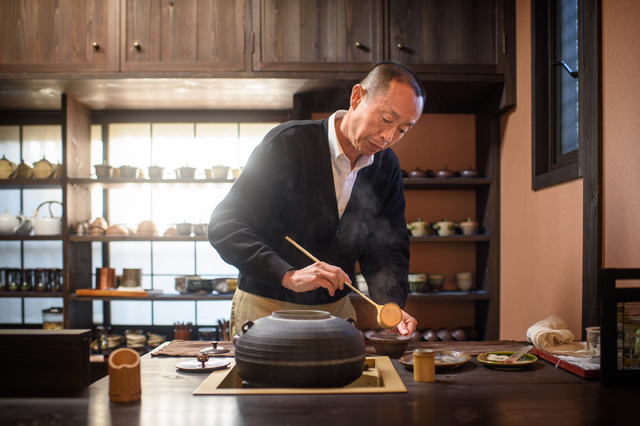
pixel 551 335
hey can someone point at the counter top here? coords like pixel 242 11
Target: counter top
pixel 471 394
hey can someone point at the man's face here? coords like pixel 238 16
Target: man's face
pixel 380 122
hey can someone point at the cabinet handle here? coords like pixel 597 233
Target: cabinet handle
pixel 400 46
pixel 359 45
pixel 136 45
pixel 95 45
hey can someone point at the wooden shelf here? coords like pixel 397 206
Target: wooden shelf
pixel 157 298
pixel 30 183
pixel 441 183
pixel 452 295
pixel 441 295
pixel 125 183
pixel 451 238
pixel 30 237
pixel 29 294
pixel 131 238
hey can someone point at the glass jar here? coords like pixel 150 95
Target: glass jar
pixel 14 279
pixel 424 367
pixel 4 279
pixel 52 319
pixel 27 280
pixel 55 280
pixel 41 280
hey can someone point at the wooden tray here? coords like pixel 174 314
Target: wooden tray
pixel 575 369
pixel 115 293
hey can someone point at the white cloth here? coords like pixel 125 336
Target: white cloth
pixel 551 335
pixel 343 177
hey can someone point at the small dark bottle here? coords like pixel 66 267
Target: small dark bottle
pixel 27 283
pixel 14 279
pixel 41 280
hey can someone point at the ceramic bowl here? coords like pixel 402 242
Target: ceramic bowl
pixel 436 282
pixel 417 282
pixel 464 281
pixel 460 335
pixel 394 345
pixel 186 172
pixel 445 335
pixel 156 172
pixel 184 228
pixel 220 172
pixel 430 336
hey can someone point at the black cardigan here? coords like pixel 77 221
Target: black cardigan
pixel 287 189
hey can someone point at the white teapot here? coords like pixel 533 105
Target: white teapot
pixel 47 225
pixel 9 223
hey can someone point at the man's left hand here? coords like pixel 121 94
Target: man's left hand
pixel 407 325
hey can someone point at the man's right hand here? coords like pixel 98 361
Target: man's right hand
pixel 314 276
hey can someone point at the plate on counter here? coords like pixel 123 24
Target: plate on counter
pixel 195 365
pixel 444 360
pixel 496 360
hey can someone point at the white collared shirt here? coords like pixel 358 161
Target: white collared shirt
pixel 343 177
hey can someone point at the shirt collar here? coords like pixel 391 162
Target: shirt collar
pixel 334 145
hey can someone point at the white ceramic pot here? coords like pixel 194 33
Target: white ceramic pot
pixel 464 281
pixel 9 223
pixel 445 228
pixel 469 227
pixel 419 228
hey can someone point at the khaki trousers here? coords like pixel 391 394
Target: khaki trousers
pixel 249 307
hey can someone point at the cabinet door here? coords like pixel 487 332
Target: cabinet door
pixel 182 35
pixel 316 35
pixel 447 36
pixel 58 35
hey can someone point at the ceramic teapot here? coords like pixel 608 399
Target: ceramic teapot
pixel 24 170
pixel 26 227
pixel 419 228
pixel 9 224
pixel 445 227
pixel 47 225
pixel 43 169
pixel 6 168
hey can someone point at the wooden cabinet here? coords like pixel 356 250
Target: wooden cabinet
pixel 316 35
pixel 454 36
pixel 58 36
pixel 182 35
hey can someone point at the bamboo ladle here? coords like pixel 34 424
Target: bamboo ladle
pixel 389 315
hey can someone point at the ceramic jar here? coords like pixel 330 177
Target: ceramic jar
pixel 24 170
pixel 43 169
pixel 220 172
pixel 6 168
pixel 445 227
pixel 103 170
pixel 469 227
pixel 300 348
pixel 419 228
pixel 446 173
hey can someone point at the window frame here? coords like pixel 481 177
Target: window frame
pixel 545 171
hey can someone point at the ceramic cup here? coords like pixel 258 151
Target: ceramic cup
pixel 131 277
pixel 464 281
pixel 124 375
pixel 593 343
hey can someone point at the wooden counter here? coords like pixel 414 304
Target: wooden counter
pixel 472 394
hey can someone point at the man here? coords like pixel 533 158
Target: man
pixel 334 188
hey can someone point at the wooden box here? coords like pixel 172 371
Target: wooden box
pixel 42 361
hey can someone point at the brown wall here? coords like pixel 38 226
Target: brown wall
pixel 541 241
pixel 621 133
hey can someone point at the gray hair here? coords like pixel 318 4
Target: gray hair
pixel 381 76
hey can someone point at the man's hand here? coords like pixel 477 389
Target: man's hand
pixel 407 325
pixel 314 276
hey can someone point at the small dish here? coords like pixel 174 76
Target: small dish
pixel 214 349
pixel 501 365
pixel 444 360
pixel 208 366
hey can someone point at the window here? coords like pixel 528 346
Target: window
pixel 171 145
pixel 558 56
